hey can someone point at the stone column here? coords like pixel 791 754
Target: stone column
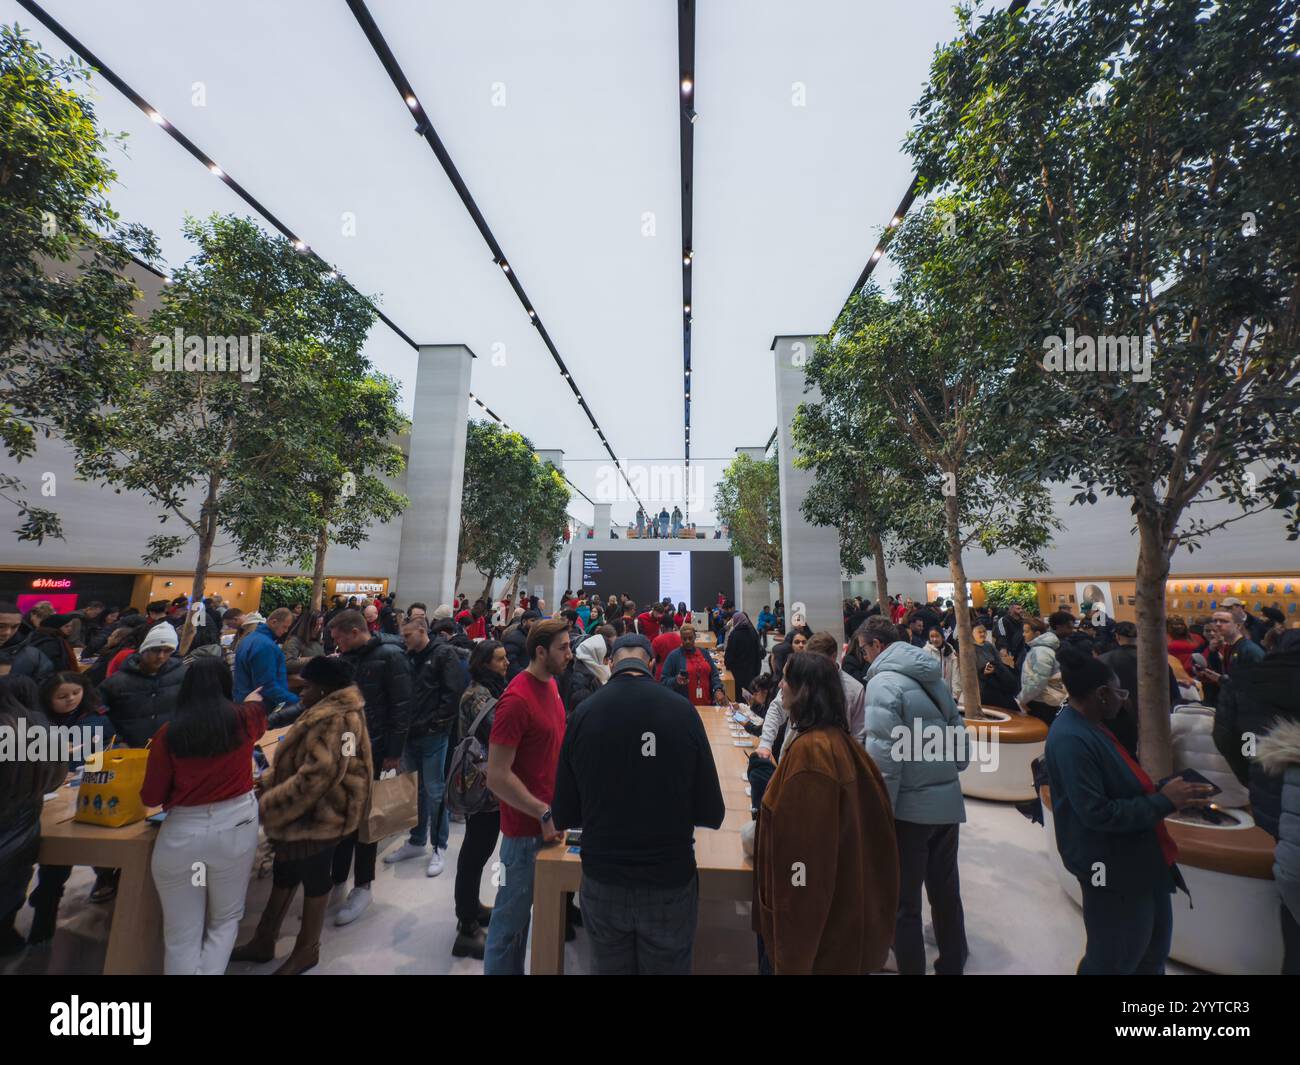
pixel 810 554
pixel 435 472
pixel 600 523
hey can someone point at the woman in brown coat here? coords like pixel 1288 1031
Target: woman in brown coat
pixel 314 795
pixel 825 861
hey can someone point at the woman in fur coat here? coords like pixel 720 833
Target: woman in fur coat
pixel 314 795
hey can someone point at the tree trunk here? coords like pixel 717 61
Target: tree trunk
pixel 970 679
pixel 882 581
pixel 1154 746
pixel 487 591
pixel 318 574
pixel 207 537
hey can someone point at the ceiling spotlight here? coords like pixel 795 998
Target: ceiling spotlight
pixel 300 245
pixel 875 255
pixel 686 260
pixel 505 266
pixel 895 221
pixel 532 313
pixel 688 395
pixel 688 308
pixel 215 169
pixel 154 116
pixel 686 85
pixel 411 103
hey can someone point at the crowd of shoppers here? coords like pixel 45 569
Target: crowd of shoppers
pixel 527 723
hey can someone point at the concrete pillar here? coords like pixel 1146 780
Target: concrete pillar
pixel 810 554
pixel 435 473
pixel 600 523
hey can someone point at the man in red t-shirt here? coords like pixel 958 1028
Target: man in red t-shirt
pixel 668 640
pixel 523 751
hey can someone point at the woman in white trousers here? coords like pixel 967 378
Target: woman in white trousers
pixel 201 772
pixel 201 865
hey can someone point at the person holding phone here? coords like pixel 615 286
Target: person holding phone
pixel 1109 822
pixel 690 672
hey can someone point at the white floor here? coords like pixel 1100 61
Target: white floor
pixel 1017 918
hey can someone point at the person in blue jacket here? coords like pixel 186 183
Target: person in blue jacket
pixel 259 662
pixel 1110 831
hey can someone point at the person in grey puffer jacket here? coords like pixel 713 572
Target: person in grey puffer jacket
pixel 907 700
pixel 1279 755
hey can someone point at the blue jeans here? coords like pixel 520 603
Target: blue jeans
pixel 507 938
pixel 428 755
pixel 640 931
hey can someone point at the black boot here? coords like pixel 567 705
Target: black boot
pixel 470 940
pixel 44 920
pixel 484 915
pixel 11 940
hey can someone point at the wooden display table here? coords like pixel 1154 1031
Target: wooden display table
pixel 135 937
pixel 724 870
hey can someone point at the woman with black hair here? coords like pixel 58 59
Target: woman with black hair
pixel 1109 823
pixel 201 772
pixel 488 665
pixel 824 901
pixel 69 699
pixel 24 783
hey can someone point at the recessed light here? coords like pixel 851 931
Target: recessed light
pixel 154 116
pixel 875 255
pixel 688 308
pixel 686 84
pixel 411 102
pixel 896 220
pixel 215 169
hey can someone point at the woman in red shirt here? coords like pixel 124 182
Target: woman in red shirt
pixel 1183 643
pixel 201 772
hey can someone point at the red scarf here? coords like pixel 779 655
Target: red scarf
pixel 1167 845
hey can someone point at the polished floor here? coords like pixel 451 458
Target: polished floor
pixel 1017 918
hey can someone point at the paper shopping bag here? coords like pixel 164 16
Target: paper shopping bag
pixel 110 788
pixel 392 806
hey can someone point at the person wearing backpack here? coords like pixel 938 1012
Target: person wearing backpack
pixel 467 792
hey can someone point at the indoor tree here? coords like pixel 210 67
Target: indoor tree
pixel 341 470
pixel 1143 157
pixel 66 319
pixel 748 501
pixel 925 382
pixel 210 446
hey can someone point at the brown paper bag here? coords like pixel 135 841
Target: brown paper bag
pixel 392 807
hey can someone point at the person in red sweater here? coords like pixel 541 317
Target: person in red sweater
pixel 200 772
pixel 668 640
pixel 1184 643
pixel 647 623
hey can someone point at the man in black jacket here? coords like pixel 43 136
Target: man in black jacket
pixel 383 673
pixel 1009 630
pixel 637 774
pixel 438 681
pixel 141 695
pixel 516 644
pixel 1123 662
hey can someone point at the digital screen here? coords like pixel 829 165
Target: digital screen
pixel 691 577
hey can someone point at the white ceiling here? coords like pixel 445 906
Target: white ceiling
pixel 788 200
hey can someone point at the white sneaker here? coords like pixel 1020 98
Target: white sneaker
pixel 435 863
pixel 406 850
pixel 357 903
